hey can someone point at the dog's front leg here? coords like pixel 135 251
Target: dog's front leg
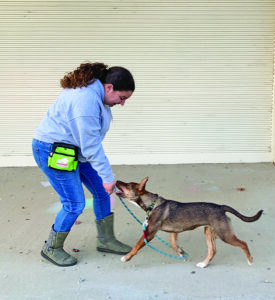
pixel 173 239
pixel 140 244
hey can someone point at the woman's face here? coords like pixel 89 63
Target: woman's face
pixel 112 98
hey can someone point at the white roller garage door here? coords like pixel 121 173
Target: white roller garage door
pixel 203 70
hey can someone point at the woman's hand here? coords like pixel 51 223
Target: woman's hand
pixel 109 187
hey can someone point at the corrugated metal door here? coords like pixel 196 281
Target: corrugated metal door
pixel 203 70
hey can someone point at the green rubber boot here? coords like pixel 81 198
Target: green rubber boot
pixel 106 241
pixel 53 250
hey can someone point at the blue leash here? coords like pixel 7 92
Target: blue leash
pixel 144 225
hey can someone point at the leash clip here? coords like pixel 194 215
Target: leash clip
pixel 145 224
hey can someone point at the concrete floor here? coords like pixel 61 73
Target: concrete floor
pixel 28 210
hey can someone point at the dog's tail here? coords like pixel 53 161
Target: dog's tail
pixel 242 217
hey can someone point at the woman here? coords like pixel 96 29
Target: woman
pixel 79 120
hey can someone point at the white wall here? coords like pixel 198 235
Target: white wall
pixel 203 70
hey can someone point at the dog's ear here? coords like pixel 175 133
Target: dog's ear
pixel 143 183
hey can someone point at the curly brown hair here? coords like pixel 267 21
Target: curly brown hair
pixel 88 73
pixel 84 75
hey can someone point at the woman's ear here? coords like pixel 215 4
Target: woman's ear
pixel 108 87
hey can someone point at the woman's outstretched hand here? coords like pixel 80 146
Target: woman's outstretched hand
pixel 109 187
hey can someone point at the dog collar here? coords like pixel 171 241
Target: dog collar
pixel 151 207
pixel 145 223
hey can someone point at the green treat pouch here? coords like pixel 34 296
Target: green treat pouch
pixel 63 157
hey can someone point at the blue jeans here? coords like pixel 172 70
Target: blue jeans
pixel 69 187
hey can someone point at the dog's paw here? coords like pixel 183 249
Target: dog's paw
pixel 123 258
pixel 180 252
pixel 201 265
pixel 250 263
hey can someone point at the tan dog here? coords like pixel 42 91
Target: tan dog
pixel 174 217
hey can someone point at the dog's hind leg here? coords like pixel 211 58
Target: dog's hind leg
pixel 210 236
pixel 227 235
pixel 174 244
pixel 234 241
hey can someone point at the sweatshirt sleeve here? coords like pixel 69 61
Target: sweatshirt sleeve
pixel 86 133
